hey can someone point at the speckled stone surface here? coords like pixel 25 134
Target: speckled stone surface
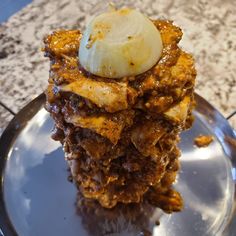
pixel 209 33
pixel 5 117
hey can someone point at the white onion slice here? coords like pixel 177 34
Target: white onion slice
pixel 120 43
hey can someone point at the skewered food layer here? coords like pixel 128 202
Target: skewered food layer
pixel 120 132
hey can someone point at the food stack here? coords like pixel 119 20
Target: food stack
pixel 120 135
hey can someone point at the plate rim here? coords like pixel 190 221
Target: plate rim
pixel 9 135
pixel 215 119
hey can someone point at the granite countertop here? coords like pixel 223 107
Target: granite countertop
pixel 209 34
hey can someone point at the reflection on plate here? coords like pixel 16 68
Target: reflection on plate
pixel 39 199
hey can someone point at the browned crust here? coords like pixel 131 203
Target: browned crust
pixel 140 158
pixel 203 140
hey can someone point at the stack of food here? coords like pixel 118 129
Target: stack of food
pixel 120 94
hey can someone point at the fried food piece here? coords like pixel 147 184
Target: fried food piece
pixel 179 112
pixel 111 96
pixel 145 137
pixel 63 42
pixel 106 125
pixel 203 140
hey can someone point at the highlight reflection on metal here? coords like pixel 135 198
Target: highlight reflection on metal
pixel 37 199
pixel 1 233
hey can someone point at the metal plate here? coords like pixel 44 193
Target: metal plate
pixel 37 199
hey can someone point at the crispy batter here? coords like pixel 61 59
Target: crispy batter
pixel 179 112
pixel 111 96
pixel 145 136
pixel 109 126
pixel 63 42
pixel 120 136
pixel 203 140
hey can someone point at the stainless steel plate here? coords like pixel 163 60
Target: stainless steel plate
pixel 37 199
